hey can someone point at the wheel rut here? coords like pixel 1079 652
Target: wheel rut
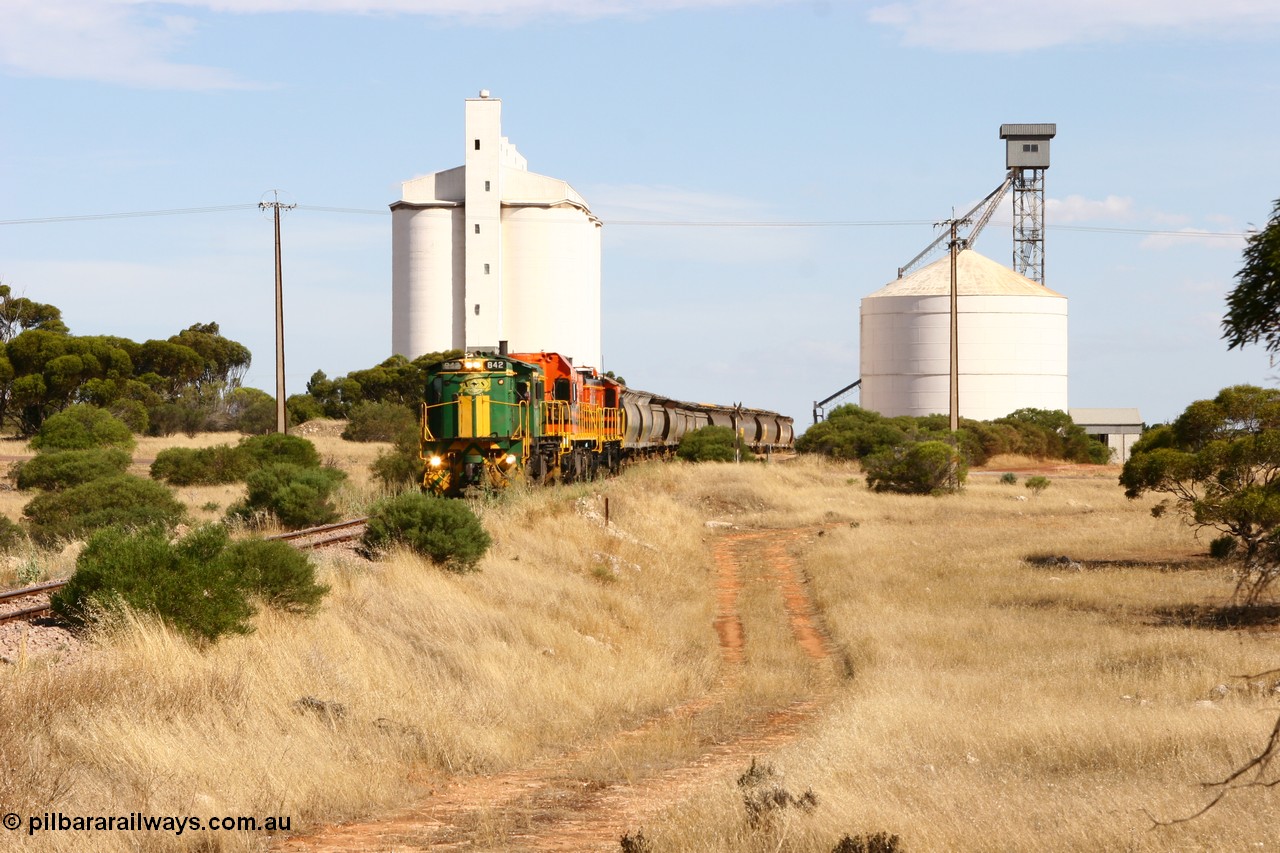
pixel 548 805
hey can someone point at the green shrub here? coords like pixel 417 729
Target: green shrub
pixel 380 422
pixel 924 468
pixel 296 496
pixel 302 408
pixel 82 427
pixel 133 414
pixel 201 466
pixel 445 531
pixel 1037 484
pixel 709 444
pixel 1223 547
pixel 63 469
pixel 397 468
pixel 122 500
pixel 283 577
pixel 280 447
pixel 201 585
pixel 400 466
pixel 1009 479
pixel 11 535
pixel 185 584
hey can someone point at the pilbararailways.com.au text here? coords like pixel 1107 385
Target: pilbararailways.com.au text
pixel 138 822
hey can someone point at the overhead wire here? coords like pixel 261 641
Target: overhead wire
pixel 642 223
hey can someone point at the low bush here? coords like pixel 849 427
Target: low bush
pixel 183 583
pixel 400 466
pixel 294 495
pixel 1008 479
pixel 11 535
pixel 1037 484
pixel 710 444
pixel 923 468
pixel 276 573
pixel 380 422
pixel 445 531
pixel 202 585
pixel 852 432
pixel 122 500
pixel 397 468
pixel 1223 547
pixel 82 427
pixel 280 447
pixel 302 408
pixel 63 469
pixel 201 466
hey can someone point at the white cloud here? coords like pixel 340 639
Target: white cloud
pixel 1016 25
pixel 134 42
pixel 472 9
pixel 1075 208
pixel 106 41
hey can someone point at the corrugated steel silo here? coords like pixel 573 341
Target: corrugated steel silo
pixel 1012 342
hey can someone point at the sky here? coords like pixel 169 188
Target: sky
pixel 759 165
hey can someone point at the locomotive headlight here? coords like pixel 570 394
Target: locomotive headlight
pixel 511 459
pixel 435 461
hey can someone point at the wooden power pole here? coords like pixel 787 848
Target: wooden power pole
pixel 282 420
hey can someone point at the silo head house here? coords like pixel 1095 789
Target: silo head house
pixel 488 253
pixel 1012 342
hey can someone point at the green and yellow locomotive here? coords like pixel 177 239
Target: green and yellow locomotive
pixel 489 418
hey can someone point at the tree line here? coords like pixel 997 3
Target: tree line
pixel 190 381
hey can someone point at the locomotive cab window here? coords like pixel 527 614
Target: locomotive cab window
pixel 610 398
pixel 564 390
pixel 435 390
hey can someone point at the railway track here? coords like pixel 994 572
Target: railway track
pixel 13 607
pixel 32 602
pixel 325 534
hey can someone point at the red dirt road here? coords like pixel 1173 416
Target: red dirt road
pixel 548 806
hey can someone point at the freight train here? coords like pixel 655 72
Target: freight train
pixel 489 419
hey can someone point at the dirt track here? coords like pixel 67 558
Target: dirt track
pixel 548 806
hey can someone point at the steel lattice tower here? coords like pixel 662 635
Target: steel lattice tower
pixel 1027 158
pixel 1028 223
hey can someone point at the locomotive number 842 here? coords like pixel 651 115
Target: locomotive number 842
pixel 489 419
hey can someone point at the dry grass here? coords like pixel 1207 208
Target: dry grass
pixel 993 703
pixel 436 674
pixel 1000 705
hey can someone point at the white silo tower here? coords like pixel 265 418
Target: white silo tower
pixel 489 252
pixel 1012 342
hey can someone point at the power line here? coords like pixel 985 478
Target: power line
pixel 135 214
pixel 639 223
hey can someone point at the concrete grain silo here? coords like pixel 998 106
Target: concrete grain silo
pixel 1012 342
pixel 489 252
